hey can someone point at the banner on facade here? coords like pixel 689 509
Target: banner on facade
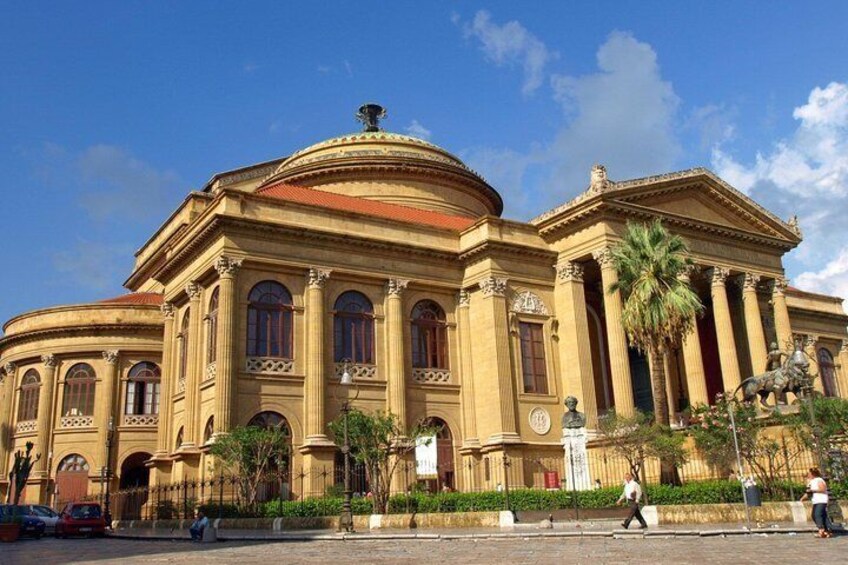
pixel 426 457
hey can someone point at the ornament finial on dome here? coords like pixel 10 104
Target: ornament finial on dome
pixel 370 116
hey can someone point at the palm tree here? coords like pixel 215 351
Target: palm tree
pixel 659 305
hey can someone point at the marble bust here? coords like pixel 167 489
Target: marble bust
pixel 572 419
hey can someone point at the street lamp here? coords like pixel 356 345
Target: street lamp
pixel 346 381
pixel 739 460
pixel 110 435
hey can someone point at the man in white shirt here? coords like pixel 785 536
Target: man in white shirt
pixel 632 494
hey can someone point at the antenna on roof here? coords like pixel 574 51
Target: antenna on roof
pixel 370 116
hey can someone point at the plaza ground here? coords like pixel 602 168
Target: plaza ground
pixel 775 549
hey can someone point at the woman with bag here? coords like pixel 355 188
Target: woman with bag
pixel 817 494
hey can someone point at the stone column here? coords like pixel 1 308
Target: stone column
pixel 226 373
pixel 315 386
pixel 396 397
pixel 469 415
pixel 163 433
pixel 622 385
pixel 7 423
pixel 843 369
pixel 724 330
pixel 757 345
pixel 696 378
pixel 105 405
pixel 194 364
pixel 811 342
pixel 575 350
pixel 782 326
pixel 495 315
pixel 45 415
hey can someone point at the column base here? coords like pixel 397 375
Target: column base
pixel 319 441
pixel 502 438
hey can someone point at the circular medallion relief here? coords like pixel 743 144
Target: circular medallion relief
pixel 540 420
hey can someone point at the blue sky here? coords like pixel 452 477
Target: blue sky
pixel 111 112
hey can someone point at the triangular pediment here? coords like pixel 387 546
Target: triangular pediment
pixel 702 198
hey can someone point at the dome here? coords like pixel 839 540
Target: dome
pixel 392 168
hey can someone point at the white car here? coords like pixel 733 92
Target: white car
pixel 43 513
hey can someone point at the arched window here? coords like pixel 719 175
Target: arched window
pixel 209 430
pixel 143 389
pixel 73 463
pixel 429 336
pixel 353 328
pixel 827 371
pixel 184 345
pixel 179 441
pixel 212 328
pixel 79 391
pixel 269 321
pixel 28 403
pixel 270 420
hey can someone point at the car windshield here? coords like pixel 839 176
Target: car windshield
pixel 85 511
pixel 44 511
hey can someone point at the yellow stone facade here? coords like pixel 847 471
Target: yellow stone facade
pixel 399 221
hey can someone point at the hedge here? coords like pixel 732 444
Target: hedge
pixel 701 492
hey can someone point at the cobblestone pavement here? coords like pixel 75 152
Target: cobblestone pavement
pixel 736 549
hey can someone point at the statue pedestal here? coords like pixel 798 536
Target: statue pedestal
pixel 576 459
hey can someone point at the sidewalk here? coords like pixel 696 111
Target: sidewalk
pixel 525 531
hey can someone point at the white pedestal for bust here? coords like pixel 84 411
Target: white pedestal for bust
pixel 574 445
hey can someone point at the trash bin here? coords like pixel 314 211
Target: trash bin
pixel 753 495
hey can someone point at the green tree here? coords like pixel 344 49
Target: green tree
pixel 252 455
pixel 379 443
pixel 765 454
pixel 830 434
pixel 659 305
pixel 637 438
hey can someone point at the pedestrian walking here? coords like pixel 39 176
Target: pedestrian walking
pixel 817 494
pixel 632 494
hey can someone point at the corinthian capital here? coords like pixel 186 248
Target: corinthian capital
pixel 316 277
pixel 463 299
pixel 49 360
pixel 227 266
pixel 569 272
pixel 167 310
pixel 493 286
pixel 111 357
pixel 395 287
pixel 810 340
pixel 193 289
pixel 718 276
pixel 750 281
pixel 9 368
pixel 779 285
pixel 844 348
pixel 603 256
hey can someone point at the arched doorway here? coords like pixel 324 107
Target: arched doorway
pixel 71 479
pixel 135 478
pixel 435 462
pixel 279 483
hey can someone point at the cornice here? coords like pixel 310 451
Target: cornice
pixel 200 242
pixel 488 248
pixel 79 331
pixel 841 319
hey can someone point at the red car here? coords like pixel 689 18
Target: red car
pixel 81 519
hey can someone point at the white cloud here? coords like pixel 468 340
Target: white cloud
pixel 806 174
pixel 249 68
pixel 94 265
pixel 508 170
pixel 415 129
pixel 624 115
pixel 713 124
pixel 511 44
pixel 117 184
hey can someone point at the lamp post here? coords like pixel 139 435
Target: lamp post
pixel 110 435
pixel 346 381
pixel 739 461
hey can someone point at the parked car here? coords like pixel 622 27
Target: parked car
pixel 30 525
pixel 43 513
pixel 81 518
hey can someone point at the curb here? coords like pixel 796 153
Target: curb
pixel 614 534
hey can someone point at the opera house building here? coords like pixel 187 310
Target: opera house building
pixel 386 256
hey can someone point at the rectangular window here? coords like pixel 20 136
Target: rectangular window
pixel 533 358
